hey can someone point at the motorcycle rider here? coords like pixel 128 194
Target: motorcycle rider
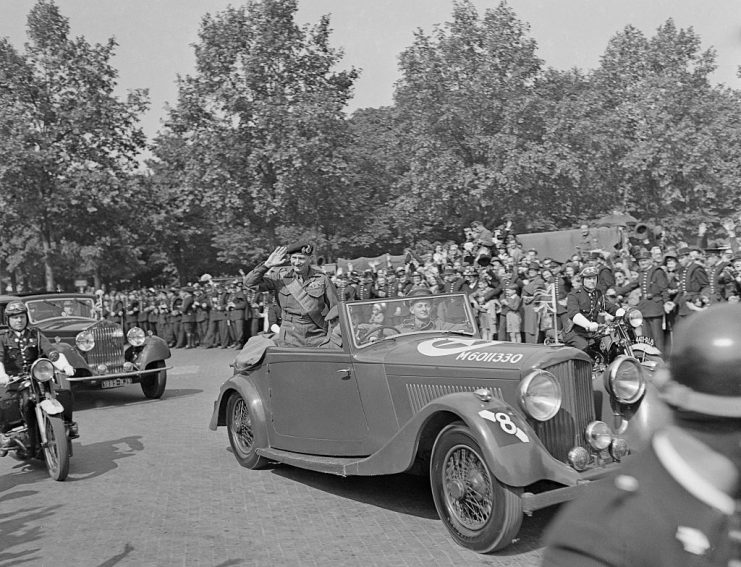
pixel 583 308
pixel 678 502
pixel 20 346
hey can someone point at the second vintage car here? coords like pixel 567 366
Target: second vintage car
pixel 102 355
pixel 502 429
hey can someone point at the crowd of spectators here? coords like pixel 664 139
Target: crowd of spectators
pixel 519 296
pixel 511 289
pixel 210 313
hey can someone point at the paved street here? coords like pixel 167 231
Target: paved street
pixel 150 484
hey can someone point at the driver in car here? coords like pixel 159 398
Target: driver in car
pixel 421 311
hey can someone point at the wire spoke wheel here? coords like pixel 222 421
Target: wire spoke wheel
pixel 243 435
pixel 468 488
pixel 479 511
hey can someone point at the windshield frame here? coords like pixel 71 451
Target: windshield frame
pixel 59 302
pixel 351 327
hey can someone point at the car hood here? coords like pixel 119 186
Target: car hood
pixel 448 353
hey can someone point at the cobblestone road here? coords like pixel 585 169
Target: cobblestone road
pixel 151 485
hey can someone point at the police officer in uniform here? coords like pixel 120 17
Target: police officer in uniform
pixel 20 346
pixel 679 502
pixel 653 285
pixel 693 279
pixel 583 308
pixel 305 294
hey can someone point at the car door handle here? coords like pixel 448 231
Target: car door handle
pixel 345 373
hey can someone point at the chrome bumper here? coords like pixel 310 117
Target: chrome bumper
pixel 96 377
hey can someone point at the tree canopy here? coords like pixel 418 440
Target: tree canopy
pixel 259 149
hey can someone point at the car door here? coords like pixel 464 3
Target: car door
pixel 315 402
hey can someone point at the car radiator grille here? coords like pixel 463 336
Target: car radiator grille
pixel 566 429
pixel 108 348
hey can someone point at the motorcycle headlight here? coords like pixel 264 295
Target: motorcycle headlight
pixel 85 341
pixel 635 318
pixel 136 336
pixel 624 380
pixel 42 370
pixel 540 395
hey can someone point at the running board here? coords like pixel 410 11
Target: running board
pixel 331 465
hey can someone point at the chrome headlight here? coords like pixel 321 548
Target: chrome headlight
pixel 540 395
pixel 42 370
pixel 85 341
pixel 598 435
pixel 624 380
pixel 635 318
pixel 136 336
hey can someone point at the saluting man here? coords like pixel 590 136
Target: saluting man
pixel 305 294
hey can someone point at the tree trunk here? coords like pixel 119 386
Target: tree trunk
pixel 48 268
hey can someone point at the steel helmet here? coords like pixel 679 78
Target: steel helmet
pixel 589 272
pixel 705 364
pixel 15 307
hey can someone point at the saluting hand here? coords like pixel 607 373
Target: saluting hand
pixel 277 257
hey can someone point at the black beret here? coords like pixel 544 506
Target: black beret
pixel 300 248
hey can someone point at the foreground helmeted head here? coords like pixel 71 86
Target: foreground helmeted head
pixel 705 364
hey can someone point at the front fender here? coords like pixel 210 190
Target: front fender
pixel 241 384
pixel 155 348
pixel 510 447
pixel 72 355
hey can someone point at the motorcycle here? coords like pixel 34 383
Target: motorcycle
pixel 37 425
pixel 621 337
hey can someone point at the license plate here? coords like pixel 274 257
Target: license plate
pixel 115 382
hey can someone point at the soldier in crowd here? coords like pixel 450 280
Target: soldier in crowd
pixel 235 304
pixel 117 309
pixel 653 287
pixel 693 279
pixel 305 294
pixel 217 335
pixel 679 502
pixel 188 320
pixel 144 309
pixel 174 319
pixel 132 311
pixel 202 308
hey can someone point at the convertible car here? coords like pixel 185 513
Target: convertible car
pixel 101 353
pixel 502 429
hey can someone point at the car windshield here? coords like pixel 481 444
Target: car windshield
pixel 42 309
pixel 377 319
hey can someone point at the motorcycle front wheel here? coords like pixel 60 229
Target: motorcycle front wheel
pixel 56 451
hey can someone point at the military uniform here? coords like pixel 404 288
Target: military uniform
pixel 692 281
pixel 236 304
pixel 658 511
pixel 653 285
pixel 18 351
pixel 299 326
pixel 188 321
pixel 589 303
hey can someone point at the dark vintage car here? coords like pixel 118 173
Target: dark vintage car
pixel 102 355
pixel 502 429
